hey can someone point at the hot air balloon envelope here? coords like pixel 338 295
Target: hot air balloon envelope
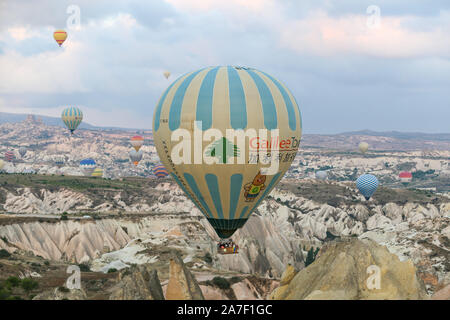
pixel 367 184
pixel 10 156
pixel 405 177
pixel 224 176
pixel 60 36
pixel 22 151
pixel 88 166
pixel 160 171
pixel 72 118
pixel 137 142
pixel 363 147
pixel 321 175
pixel 136 156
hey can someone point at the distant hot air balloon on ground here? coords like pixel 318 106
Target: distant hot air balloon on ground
pixel 228 190
pixel 87 166
pixel 60 36
pixel 160 171
pixel 137 142
pixel 22 151
pixel 363 147
pixel 72 118
pixel 367 184
pixel 136 156
pixel 98 172
pixel 405 177
pixel 166 74
pixel 321 175
pixel 2 164
pixel 10 156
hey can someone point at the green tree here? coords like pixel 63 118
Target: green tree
pixel 223 149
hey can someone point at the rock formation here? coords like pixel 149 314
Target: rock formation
pixel 138 283
pixel 348 269
pixel 182 284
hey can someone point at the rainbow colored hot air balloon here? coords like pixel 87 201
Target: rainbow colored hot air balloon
pixel 137 142
pixel 226 178
pixel 10 156
pixel 160 171
pixel 72 118
pixel 367 184
pixel 405 177
pixel 60 36
pixel 87 166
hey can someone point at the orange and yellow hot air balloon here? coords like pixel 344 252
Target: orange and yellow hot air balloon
pixel 60 36
pixel 137 142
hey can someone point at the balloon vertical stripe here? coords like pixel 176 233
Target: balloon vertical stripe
pixel 213 186
pixel 268 105
pixel 177 102
pixel 191 182
pixel 287 101
pixel 159 107
pixel 235 191
pixel 238 108
pixel 205 99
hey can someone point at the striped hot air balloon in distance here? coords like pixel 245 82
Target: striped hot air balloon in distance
pixel 87 166
pixel 60 36
pixel 367 184
pixel 160 171
pixel 137 142
pixel 10 156
pixel 136 156
pixel 72 118
pixel 98 172
pixel 405 177
pixel 227 97
pixel 22 151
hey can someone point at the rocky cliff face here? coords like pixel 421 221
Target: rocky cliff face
pixel 353 269
pixel 279 233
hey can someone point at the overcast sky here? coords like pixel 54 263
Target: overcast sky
pixel 347 69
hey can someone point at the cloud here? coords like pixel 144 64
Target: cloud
pixel 324 35
pixel 340 70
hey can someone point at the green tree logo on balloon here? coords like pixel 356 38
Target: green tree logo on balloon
pixel 223 149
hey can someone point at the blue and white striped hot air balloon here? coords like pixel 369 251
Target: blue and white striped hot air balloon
pixel 229 186
pixel 72 118
pixel 87 166
pixel 367 184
